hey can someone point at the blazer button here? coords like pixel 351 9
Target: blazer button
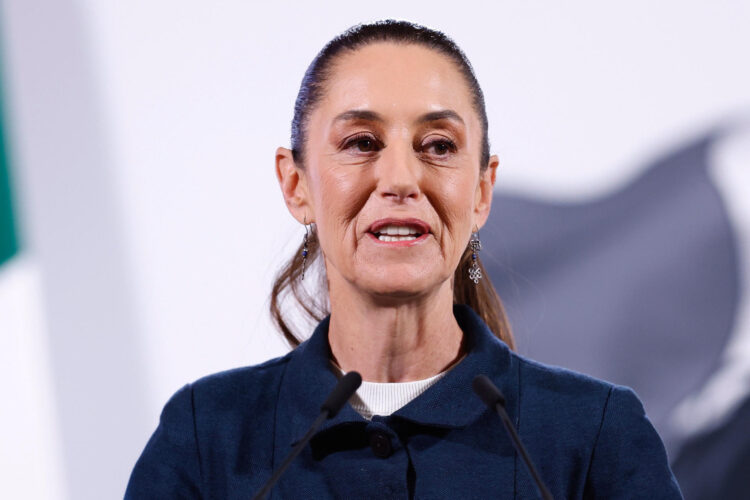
pixel 380 444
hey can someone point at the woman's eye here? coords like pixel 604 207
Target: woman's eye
pixel 363 144
pixel 442 147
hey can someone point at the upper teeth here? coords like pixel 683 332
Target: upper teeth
pixel 398 231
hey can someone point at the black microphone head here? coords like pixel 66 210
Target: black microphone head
pixel 487 391
pixel 347 386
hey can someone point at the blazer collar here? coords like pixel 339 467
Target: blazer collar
pixel 309 378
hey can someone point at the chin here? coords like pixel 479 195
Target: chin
pixel 403 287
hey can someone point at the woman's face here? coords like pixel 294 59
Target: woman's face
pixel 392 171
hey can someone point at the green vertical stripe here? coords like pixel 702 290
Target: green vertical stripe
pixel 8 237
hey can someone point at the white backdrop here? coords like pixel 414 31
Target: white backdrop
pixel 144 137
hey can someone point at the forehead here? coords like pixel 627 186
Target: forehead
pixel 398 81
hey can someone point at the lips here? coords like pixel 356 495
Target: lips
pixel 399 232
pixel 415 226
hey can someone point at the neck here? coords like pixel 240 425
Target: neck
pixel 394 340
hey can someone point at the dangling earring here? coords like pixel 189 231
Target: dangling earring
pixel 304 248
pixel 475 273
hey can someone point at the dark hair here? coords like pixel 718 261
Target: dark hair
pixel 481 297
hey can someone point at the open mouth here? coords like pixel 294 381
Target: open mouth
pixel 397 233
pixel 393 230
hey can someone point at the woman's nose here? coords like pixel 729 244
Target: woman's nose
pixel 399 174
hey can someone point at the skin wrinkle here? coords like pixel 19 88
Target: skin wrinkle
pixel 391 307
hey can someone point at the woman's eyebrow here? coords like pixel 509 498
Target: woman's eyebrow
pixel 359 114
pixel 445 114
pixel 372 116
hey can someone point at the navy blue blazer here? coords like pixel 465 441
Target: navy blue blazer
pixel 221 437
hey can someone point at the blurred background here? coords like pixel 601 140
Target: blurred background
pixel 141 224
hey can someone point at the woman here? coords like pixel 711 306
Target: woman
pixel 390 169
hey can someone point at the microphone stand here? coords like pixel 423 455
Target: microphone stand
pixel 492 397
pixel 336 400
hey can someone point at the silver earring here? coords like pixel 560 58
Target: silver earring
pixel 304 248
pixel 475 273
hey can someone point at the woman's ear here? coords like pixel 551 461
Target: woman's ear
pixel 293 183
pixel 485 190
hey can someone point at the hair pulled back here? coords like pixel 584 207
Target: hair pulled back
pixel 481 297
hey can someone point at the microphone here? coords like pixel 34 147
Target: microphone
pixel 346 387
pixel 492 397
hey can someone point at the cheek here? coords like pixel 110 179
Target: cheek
pixel 340 196
pixel 453 200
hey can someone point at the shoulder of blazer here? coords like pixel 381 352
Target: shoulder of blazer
pixel 591 433
pixel 237 405
pixel 555 399
pixel 239 388
pixel 563 382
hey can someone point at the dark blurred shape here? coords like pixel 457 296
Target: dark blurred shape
pixel 639 287
pixel 8 238
pixel 717 464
